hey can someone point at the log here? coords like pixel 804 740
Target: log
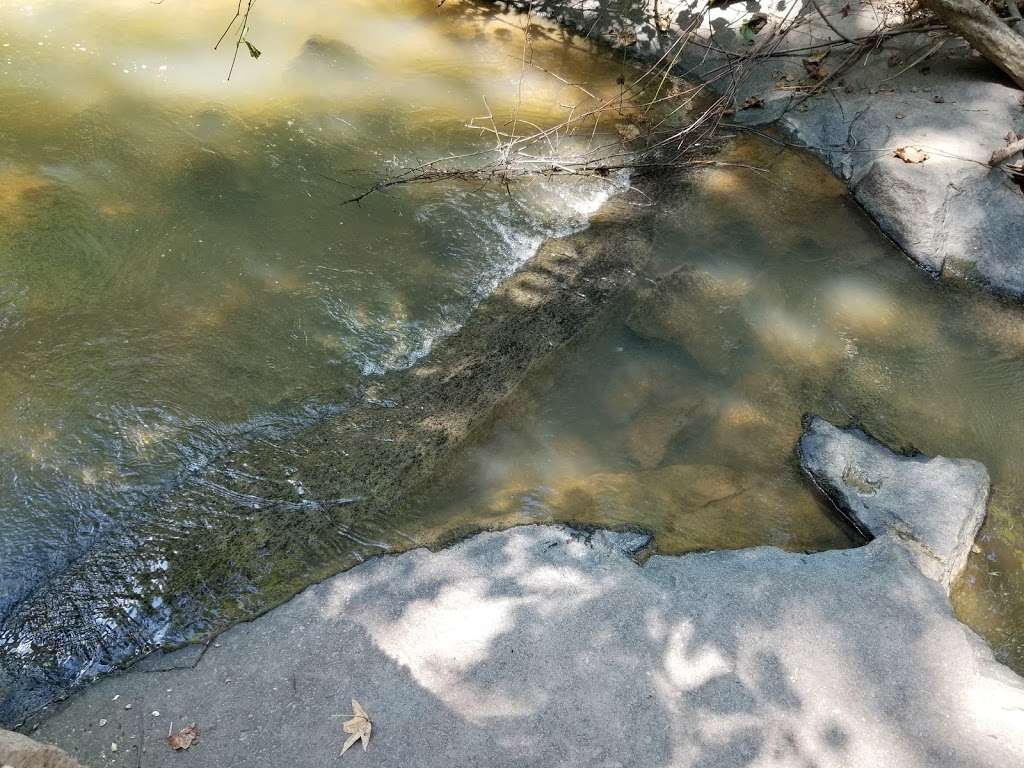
pixel 985 31
pixel 1003 154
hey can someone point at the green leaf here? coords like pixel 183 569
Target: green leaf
pixel 753 25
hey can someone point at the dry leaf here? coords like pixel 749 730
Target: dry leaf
pixel 911 154
pixel 624 38
pixel 184 738
pixel 752 102
pixel 359 726
pixel 814 65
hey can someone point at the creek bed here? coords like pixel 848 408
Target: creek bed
pixel 201 349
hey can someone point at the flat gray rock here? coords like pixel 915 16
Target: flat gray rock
pixel 932 506
pixel 544 646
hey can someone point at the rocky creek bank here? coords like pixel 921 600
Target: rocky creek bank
pixel 547 645
pixel 952 214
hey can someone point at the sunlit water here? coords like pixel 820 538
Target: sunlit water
pixel 177 271
pixel 177 276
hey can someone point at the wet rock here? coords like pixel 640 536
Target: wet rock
pixel 696 310
pixel 18 751
pixel 651 434
pixel 322 54
pixel 622 495
pixel 933 506
pixel 629 542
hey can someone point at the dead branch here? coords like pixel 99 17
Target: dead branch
pixel 1015 144
pixel 980 26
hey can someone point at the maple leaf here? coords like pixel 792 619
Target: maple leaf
pixel 184 738
pixel 911 154
pixel 359 726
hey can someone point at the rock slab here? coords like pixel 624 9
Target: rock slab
pixel 933 506
pixel 546 646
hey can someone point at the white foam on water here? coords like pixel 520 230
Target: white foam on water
pixel 512 230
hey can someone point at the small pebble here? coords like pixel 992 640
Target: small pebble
pixel 116 697
pixel 113 746
pixel 103 721
pixel 127 706
pixel 156 713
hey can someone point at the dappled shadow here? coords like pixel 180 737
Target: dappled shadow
pixel 545 646
pixel 952 214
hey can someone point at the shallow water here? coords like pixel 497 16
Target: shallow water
pixel 178 277
pixel 683 417
pixel 176 272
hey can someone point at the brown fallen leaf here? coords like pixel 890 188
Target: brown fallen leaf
pixel 814 65
pixel 184 738
pixel 752 102
pixel 624 38
pixel 911 154
pixel 359 726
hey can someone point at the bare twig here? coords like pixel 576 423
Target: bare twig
pixel 1014 145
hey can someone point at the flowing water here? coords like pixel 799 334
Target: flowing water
pixel 177 276
pixel 177 272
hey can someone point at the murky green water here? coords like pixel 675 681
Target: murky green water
pixel 178 277
pixel 175 269
pixel 177 273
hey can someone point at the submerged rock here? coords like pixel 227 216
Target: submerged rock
pixel 18 751
pixel 696 310
pixel 321 55
pixel 651 434
pixel 934 507
pixel 795 342
pixel 610 495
